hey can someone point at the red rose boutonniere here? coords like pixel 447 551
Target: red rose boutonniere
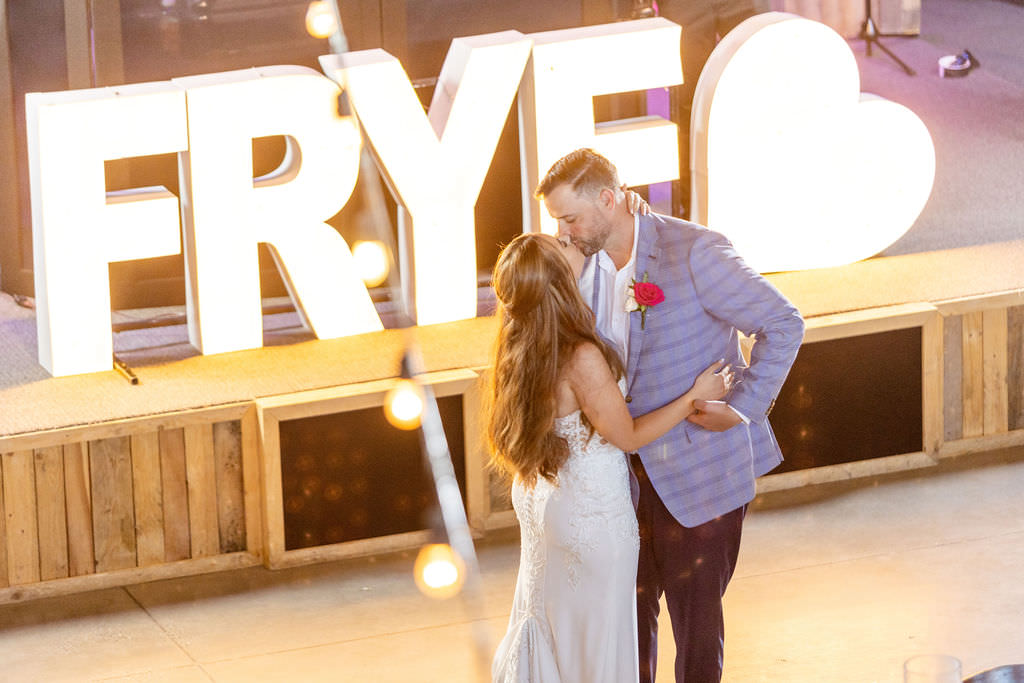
pixel 641 296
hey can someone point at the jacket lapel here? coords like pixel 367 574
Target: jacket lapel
pixel 647 260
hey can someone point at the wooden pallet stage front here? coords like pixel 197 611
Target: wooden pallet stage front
pixel 105 484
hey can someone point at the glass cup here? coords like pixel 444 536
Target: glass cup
pixel 932 669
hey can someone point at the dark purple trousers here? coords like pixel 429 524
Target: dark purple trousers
pixel 692 567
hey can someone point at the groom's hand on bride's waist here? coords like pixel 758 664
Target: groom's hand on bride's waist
pixel 715 416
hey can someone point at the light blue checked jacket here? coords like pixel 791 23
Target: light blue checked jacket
pixel 710 293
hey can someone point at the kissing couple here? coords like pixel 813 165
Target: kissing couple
pixel 632 426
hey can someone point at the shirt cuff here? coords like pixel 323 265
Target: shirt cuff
pixel 746 420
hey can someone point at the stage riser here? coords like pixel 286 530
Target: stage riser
pixel 972 381
pixel 123 503
pixel 129 505
pixel 113 504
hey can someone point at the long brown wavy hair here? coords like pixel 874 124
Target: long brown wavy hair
pixel 543 320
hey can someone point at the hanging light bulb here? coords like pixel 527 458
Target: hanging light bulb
pixel 403 404
pixel 372 262
pixel 320 21
pixel 439 571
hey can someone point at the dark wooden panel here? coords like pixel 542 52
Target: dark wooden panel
pixel 851 399
pixel 352 476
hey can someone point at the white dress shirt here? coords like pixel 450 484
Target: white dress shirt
pixel 610 304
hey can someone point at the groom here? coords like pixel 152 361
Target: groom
pixel 694 482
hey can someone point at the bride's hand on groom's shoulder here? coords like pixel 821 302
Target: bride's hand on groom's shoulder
pixel 635 203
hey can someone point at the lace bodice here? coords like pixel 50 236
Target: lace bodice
pixel 595 471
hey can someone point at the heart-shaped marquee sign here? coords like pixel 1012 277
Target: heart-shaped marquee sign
pixel 791 161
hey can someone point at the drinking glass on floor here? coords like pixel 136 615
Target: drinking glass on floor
pixel 932 669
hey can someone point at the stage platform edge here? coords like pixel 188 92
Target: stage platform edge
pixel 89 506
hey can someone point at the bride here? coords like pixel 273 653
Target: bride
pixel 558 423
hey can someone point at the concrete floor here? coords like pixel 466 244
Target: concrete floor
pixel 835 583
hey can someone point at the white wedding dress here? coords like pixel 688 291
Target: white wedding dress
pixel 574 613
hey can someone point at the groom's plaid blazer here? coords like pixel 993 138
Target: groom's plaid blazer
pixel 710 293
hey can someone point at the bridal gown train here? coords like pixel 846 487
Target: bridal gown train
pixel 574 612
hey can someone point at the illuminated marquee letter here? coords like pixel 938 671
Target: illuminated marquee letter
pixel 556 106
pixel 77 227
pixel 791 161
pixel 229 213
pixel 436 164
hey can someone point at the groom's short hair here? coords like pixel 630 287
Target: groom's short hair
pixel 584 170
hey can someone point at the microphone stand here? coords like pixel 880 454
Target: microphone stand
pixel 869 34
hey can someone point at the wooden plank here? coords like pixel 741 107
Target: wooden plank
pixel 126 427
pixel 21 526
pixel 871 467
pixel 982 444
pixel 478 493
pixel 3 525
pixel 981 302
pixel 952 378
pixel 931 384
pixel 868 321
pixel 227 452
pixel 201 476
pixel 973 378
pixel 126 577
pixel 1015 366
pixel 148 494
pixel 113 514
pixel 409 540
pixel 78 504
pixel 177 545
pixel 51 515
pixel 349 397
pixel 273 503
pixel 994 337
pixel 251 482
